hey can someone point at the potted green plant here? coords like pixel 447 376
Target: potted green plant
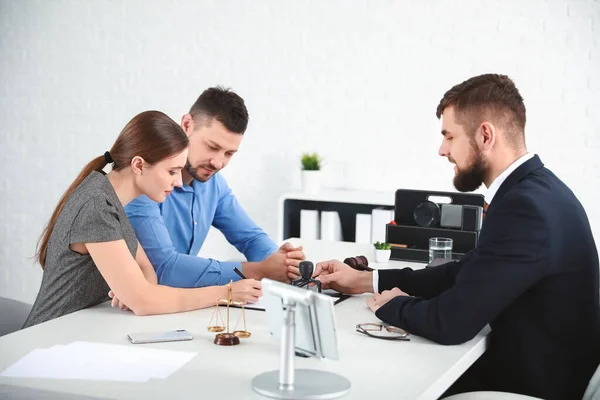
pixel 382 252
pixel 311 172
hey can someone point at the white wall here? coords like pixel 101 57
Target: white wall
pixel 356 80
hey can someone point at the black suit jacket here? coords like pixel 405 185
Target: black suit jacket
pixel 533 277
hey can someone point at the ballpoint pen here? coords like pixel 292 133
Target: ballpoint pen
pixel 237 271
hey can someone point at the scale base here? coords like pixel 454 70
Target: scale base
pixel 226 339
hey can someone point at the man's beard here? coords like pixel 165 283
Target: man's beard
pixel 192 171
pixel 471 178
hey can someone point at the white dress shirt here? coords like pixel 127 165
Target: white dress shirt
pixel 491 192
pixel 489 195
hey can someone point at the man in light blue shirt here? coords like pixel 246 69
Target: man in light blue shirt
pixel 173 232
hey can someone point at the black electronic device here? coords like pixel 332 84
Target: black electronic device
pixel 306 270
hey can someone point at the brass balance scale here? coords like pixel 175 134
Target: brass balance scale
pixel 226 338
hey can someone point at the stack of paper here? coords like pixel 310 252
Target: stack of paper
pixel 99 361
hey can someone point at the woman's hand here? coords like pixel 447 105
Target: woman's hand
pixel 246 290
pixel 116 302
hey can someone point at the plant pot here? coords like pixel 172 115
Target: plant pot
pixel 382 256
pixel 311 181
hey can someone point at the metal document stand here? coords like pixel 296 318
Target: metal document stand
pixel 287 382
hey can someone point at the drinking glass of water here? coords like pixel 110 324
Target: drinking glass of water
pixel 440 247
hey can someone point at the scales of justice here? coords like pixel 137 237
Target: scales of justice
pixel 227 338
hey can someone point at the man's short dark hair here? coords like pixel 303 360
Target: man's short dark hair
pixel 225 106
pixel 488 96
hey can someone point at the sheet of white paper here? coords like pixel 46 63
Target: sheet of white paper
pixel 48 363
pixel 259 305
pixel 99 361
pixel 155 363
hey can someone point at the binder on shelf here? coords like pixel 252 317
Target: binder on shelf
pixel 380 217
pixel 331 226
pixel 363 229
pixel 309 224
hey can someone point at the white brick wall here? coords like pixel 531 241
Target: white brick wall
pixel 355 80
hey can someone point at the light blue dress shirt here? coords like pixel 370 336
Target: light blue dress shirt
pixel 173 232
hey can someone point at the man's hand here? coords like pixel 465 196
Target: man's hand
pixel 295 255
pixel 116 302
pixel 280 266
pixel 336 275
pixel 379 299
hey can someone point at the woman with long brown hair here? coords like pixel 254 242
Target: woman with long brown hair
pixel 89 248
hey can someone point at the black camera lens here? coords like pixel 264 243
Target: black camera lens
pixel 427 214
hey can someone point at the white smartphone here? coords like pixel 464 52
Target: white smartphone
pixel 158 337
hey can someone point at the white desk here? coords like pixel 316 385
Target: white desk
pixel 381 369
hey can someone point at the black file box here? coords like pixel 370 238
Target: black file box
pixel 416 240
pixel 410 241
